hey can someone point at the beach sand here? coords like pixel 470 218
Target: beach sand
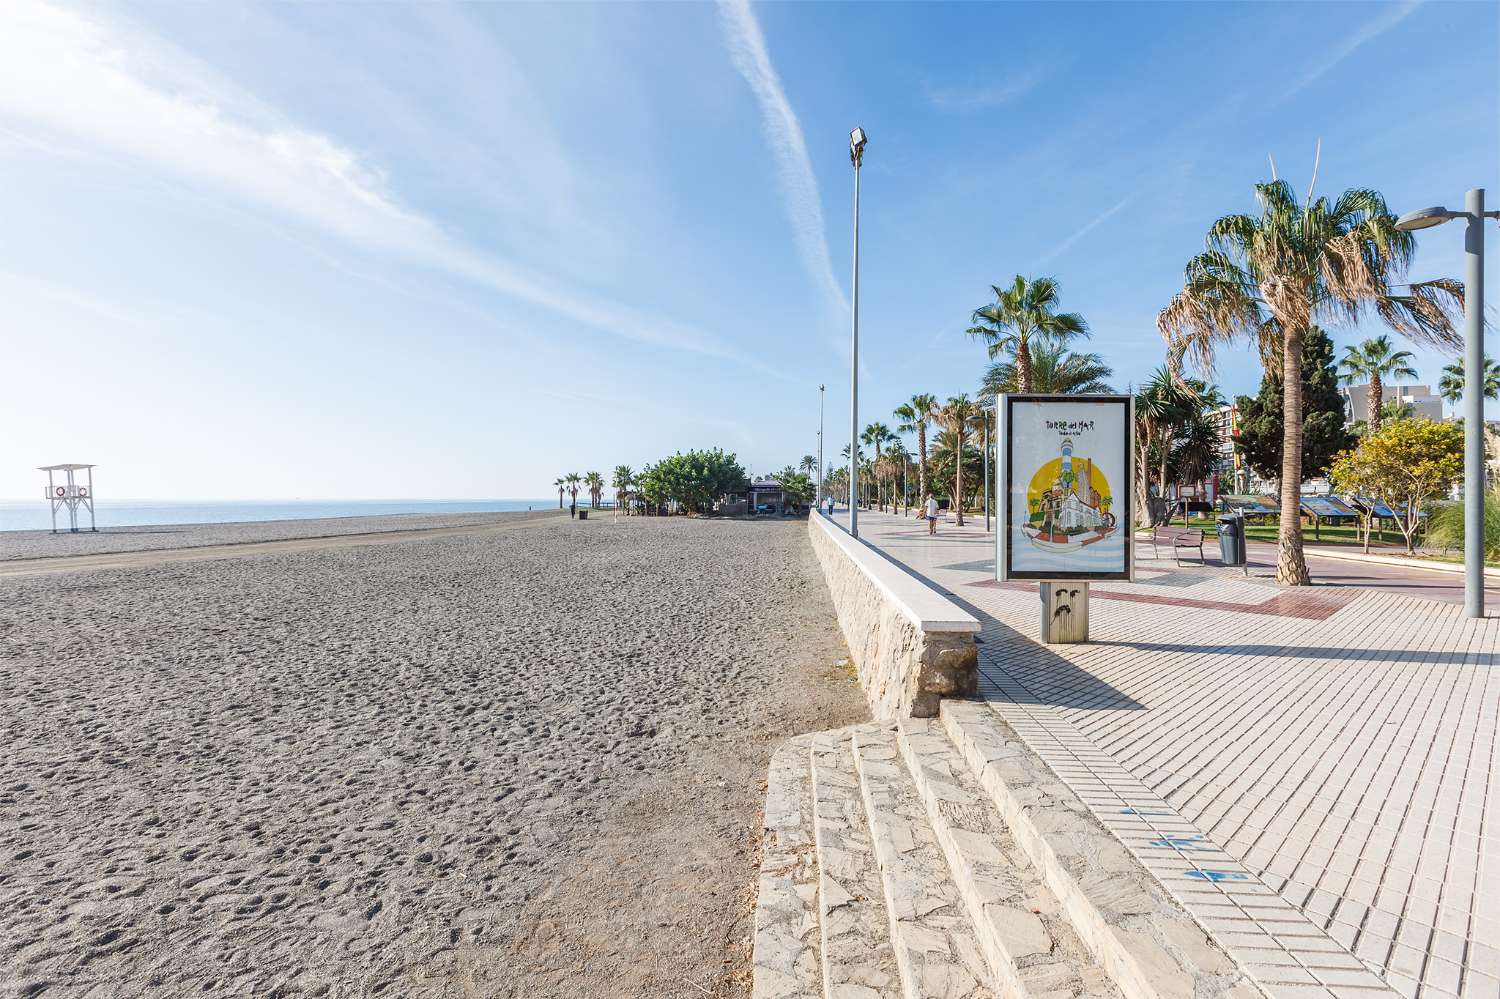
pixel 160 537
pixel 524 762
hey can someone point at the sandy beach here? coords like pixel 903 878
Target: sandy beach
pixel 163 537
pixel 520 762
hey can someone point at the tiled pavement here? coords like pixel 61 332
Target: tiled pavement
pixel 1334 744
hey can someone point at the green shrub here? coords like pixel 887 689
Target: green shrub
pixel 1445 525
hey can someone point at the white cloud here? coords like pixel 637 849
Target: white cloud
pixel 747 47
pixel 1390 16
pixel 1087 228
pixel 987 96
pixel 121 92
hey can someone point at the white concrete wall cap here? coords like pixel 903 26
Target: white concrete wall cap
pixel 927 608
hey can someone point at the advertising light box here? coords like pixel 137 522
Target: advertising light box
pixel 1065 487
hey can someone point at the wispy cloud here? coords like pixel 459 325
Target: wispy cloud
pixel 1087 228
pixel 747 46
pixel 986 96
pixel 109 88
pixel 1389 17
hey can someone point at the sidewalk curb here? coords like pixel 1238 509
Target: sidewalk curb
pixel 1414 563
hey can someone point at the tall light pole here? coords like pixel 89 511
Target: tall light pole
pixel 856 155
pixel 819 491
pixel 1473 382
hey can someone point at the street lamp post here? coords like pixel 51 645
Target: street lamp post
pixel 819 491
pixel 856 155
pixel 1475 214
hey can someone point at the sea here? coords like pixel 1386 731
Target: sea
pixel 33 515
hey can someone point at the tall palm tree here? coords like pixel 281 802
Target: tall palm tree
pixel 1025 311
pixel 808 464
pixel 573 480
pixel 958 417
pixel 1054 369
pixel 1267 278
pixel 623 479
pixel 1451 384
pixel 915 416
pixel 595 483
pixel 561 483
pixel 877 435
pixel 1373 361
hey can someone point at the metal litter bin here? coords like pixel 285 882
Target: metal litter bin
pixel 583 515
pixel 1231 533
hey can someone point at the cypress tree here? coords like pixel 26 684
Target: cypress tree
pixel 1323 431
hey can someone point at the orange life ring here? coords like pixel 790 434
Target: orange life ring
pixel 61 491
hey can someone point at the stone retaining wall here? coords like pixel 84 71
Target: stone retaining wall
pixel 911 645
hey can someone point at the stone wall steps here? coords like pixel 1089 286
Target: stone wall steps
pixel 1149 946
pixel 936 950
pixel 787 963
pixel 1030 945
pixel 855 940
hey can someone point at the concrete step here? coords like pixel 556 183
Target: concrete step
pixel 1149 946
pixel 1027 940
pixel 857 959
pixel 936 950
pixel 786 962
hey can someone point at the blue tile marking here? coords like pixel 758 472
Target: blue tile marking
pixel 1218 875
pixel 1181 843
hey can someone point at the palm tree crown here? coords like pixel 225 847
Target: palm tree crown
pixel 1451 384
pixel 1267 278
pixel 1374 361
pixel 1054 369
pixel 1023 312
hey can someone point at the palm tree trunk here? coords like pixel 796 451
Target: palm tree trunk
pixel 922 466
pixel 958 478
pixel 1291 565
pixel 1372 404
pixel 1023 365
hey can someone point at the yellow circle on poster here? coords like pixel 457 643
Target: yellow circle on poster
pixel 1067 474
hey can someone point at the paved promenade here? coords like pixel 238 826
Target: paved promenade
pixel 1334 744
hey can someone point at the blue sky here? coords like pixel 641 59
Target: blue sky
pixel 323 251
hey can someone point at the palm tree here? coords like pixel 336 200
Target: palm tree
pixel 1054 369
pixel 914 417
pixel 622 480
pixel 896 459
pixel 809 464
pixel 562 485
pixel 1024 312
pixel 1373 361
pixel 1451 384
pixel 877 435
pixel 573 480
pixel 957 417
pixel 1266 278
pixel 595 482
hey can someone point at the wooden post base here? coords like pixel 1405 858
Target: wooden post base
pixel 1065 612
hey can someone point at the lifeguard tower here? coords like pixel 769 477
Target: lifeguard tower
pixel 70 494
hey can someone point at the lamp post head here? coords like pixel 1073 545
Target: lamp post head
pixel 857 142
pixel 1424 218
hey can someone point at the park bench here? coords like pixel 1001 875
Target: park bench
pixel 1179 538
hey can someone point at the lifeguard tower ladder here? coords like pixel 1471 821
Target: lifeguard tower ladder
pixel 70 494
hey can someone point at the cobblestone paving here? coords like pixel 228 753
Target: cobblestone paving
pixel 1339 743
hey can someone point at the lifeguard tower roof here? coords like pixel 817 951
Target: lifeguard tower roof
pixel 69 467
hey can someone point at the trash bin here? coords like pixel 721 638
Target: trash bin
pixel 1232 540
pixel 583 515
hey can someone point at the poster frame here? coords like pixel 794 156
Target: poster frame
pixel 1003 570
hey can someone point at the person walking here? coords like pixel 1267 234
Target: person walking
pixel 932 512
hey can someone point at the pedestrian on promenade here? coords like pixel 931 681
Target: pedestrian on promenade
pixel 932 511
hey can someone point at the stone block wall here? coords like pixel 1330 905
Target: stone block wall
pixel 905 664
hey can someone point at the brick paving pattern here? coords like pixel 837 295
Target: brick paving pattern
pixel 1336 745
